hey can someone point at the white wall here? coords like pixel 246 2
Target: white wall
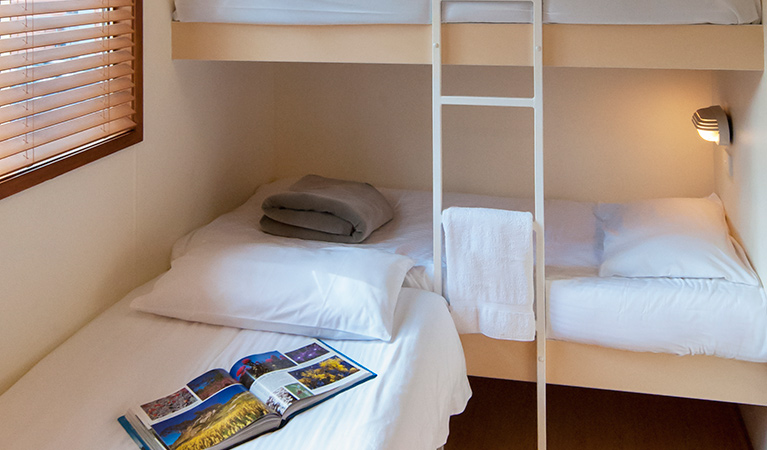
pixel 740 178
pixel 610 134
pixel 742 184
pixel 74 245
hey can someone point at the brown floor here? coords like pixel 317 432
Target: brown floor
pixel 501 415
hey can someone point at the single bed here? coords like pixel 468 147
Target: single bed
pixel 73 397
pixel 711 322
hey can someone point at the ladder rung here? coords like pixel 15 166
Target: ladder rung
pixel 494 1
pixel 489 101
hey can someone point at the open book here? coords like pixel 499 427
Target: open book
pixel 260 393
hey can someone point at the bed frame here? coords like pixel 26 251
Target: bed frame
pixel 713 47
pixel 591 366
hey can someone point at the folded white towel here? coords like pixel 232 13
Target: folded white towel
pixel 489 255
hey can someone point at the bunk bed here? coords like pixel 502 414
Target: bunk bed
pixel 654 35
pixel 469 36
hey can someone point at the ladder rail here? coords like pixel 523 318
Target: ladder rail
pixel 436 99
pixel 540 265
pixel 536 103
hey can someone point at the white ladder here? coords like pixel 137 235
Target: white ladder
pixel 536 103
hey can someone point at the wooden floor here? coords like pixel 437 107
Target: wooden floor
pixel 501 415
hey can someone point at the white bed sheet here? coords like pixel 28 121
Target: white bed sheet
pixel 326 12
pixel 73 397
pixel 667 315
pixel 599 12
pixel 708 317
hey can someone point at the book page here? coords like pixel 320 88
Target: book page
pixel 205 412
pixel 283 379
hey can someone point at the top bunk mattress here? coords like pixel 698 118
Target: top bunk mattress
pixel 313 12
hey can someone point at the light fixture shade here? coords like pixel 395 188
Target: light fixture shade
pixel 712 124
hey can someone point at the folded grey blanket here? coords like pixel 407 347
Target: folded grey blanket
pixel 325 209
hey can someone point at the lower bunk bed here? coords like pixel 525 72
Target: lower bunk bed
pixel 123 358
pixel 681 336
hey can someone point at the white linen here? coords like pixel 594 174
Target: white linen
pixel 333 292
pixel 489 254
pixel 73 397
pixel 670 237
pixel 326 12
pixel 303 12
pixel 669 315
pixel 653 12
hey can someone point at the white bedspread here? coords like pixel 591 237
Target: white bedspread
pixel 73 397
pixel 326 12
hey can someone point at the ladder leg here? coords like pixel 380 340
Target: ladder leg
pixel 540 288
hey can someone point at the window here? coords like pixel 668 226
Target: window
pixel 70 85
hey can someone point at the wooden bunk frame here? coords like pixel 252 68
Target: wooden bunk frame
pixel 708 47
pixel 591 366
pixel 696 47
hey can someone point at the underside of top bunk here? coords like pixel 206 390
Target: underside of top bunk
pixel 703 47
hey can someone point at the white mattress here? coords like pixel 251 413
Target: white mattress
pixel 324 12
pixel 710 317
pixel 669 315
pixel 73 397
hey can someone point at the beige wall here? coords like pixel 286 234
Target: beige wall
pixel 742 184
pixel 610 134
pixel 74 245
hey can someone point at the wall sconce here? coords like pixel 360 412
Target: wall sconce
pixel 712 124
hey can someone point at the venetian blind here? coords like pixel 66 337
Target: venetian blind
pixel 66 78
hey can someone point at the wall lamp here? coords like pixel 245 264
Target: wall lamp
pixel 713 124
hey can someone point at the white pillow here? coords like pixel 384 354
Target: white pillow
pixel 670 237
pixel 571 234
pixel 334 293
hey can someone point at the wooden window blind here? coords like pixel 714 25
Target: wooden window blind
pixel 70 85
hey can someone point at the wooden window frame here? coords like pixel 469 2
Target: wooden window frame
pixel 81 156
